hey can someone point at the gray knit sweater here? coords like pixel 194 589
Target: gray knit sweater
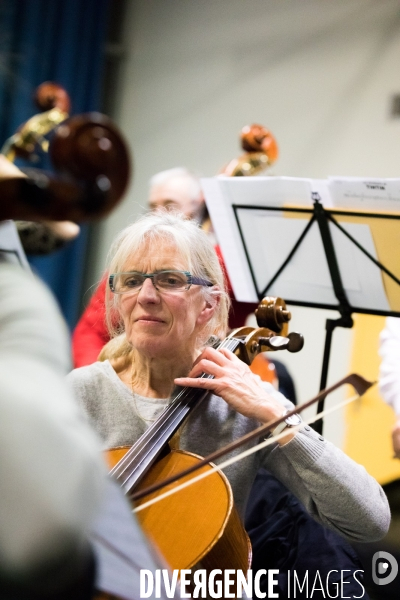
pixel 335 490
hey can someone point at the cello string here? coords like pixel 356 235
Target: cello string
pixel 139 452
pixel 244 454
pixel 154 428
pixel 144 446
pixel 148 436
pixel 152 433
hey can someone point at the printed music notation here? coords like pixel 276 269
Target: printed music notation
pixel 365 194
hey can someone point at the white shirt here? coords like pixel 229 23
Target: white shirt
pixel 389 373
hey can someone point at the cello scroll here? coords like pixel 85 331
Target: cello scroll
pixel 272 334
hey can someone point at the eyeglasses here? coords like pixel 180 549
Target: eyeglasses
pixel 171 281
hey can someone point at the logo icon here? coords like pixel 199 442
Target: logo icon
pixel 384 568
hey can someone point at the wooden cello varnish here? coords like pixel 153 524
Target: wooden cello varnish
pixel 202 526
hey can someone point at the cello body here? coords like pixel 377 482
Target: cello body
pixel 200 523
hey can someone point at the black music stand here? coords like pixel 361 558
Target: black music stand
pixel 329 225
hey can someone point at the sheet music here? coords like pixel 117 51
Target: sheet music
pixel 279 191
pixel 269 236
pixel 224 224
pixel 306 278
pixel 365 193
pixel 10 245
pixel 116 535
pixel 269 239
pixel 361 278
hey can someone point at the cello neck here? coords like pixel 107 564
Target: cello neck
pixel 141 456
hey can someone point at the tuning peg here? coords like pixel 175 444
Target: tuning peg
pixel 294 342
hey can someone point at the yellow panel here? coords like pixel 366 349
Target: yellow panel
pixel 369 420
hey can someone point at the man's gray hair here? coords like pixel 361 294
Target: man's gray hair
pixel 188 177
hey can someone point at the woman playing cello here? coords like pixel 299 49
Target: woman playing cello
pixel 166 285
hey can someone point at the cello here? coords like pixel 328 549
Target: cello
pixel 210 531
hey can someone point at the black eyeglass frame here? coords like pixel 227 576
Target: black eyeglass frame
pixel 190 279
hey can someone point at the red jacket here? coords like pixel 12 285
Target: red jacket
pixel 91 334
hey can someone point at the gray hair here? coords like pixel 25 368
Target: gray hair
pixel 193 245
pixel 192 181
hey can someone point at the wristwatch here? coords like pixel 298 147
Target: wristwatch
pixel 291 421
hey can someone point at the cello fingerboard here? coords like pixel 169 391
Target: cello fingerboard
pixel 142 455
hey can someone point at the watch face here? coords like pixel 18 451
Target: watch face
pixel 293 420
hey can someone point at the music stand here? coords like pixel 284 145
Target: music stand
pixel 11 249
pixel 319 247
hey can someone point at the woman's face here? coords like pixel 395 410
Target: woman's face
pixel 162 324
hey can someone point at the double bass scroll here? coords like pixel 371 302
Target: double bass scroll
pixel 261 151
pixel 89 154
